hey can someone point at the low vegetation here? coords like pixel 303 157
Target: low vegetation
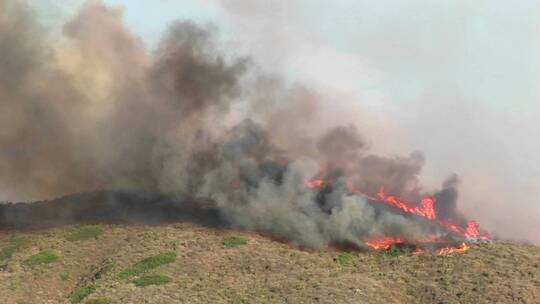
pixel 84 233
pixel 44 257
pixel 147 264
pixel 82 292
pixel 90 283
pixel 234 241
pixel 152 279
pixel 15 244
pixel 345 259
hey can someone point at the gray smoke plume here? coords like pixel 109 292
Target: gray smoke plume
pixel 94 110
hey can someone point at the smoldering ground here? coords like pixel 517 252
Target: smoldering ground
pixel 94 110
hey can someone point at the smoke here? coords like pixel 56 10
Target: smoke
pixel 445 81
pixel 94 109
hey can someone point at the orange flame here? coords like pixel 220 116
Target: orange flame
pixel 426 209
pixel 448 250
pixel 418 251
pixel 383 243
pixel 315 183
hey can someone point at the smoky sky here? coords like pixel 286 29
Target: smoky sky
pixel 455 79
pixel 91 108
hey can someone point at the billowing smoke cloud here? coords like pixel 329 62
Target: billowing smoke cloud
pixel 94 110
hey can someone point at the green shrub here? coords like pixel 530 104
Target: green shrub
pixel 15 244
pixel 99 301
pixel 152 279
pixel 82 292
pixel 90 286
pixel 234 241
pixel 345 259
pixel 394 251
pixel 147 264
pixel 84 233
pixel 44 257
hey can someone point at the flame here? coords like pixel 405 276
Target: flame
pixel 448 250
pixel 383 243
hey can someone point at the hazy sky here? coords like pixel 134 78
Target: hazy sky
pixel 457 79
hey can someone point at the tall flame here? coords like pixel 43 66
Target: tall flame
pixel 426 208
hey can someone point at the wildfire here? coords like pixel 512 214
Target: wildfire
pixel 425 209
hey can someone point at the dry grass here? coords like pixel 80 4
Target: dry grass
pixel 100 301
pixel 152 279
pixel 262 270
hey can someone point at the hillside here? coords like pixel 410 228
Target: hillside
pixel 191 263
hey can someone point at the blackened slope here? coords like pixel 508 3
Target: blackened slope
pixel 106 207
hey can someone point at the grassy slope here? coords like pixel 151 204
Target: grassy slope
pixel 262 271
